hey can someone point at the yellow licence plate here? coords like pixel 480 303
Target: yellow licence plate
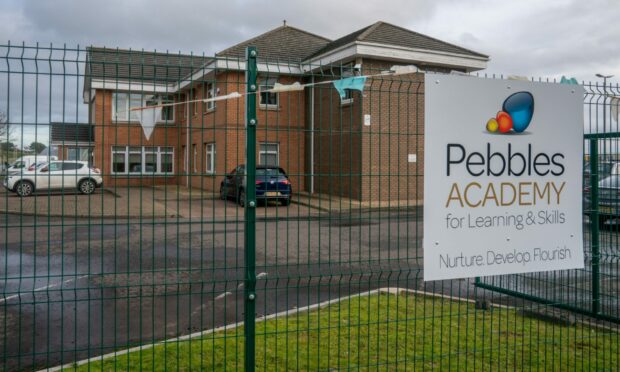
pixel 605 210
pixel 272 193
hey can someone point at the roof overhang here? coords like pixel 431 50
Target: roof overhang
pixel 132 86
pixel 71 143
pixel 235 64
pixel 385 52
pixel 197 76
pixel 394 53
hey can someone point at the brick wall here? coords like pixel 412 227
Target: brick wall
pixel 370 162
pixel 108 134
pixel 350 159
pixel 337 143
pixel 396 109
pixel 225 126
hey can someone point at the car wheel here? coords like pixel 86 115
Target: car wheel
pixel 87 187
pixel 222 193
pixel 286 202
pixel 241 198
pixel 24 188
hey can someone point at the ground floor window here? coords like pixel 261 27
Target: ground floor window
pixel 210 157
pixel 81 153
pixel 269 154
pixel 195 162
pixel 142 159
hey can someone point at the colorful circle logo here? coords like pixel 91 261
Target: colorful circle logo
pixel 516 114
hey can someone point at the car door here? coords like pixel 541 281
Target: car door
pixel 228 184
pixel 69 175
pixel 49 176
pixel 238 179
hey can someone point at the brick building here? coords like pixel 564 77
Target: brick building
pixel 367 145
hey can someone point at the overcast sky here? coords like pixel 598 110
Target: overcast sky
pixel 549 38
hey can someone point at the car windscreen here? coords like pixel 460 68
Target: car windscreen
pixel 269 172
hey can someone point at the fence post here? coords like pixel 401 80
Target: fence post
pixel 594 226
pixel 250 210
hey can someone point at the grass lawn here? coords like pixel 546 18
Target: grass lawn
pixel 389 332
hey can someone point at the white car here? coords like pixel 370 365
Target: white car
pixel 28 162
pixel 67 174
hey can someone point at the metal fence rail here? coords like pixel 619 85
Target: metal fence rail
pixel 594 290
pixel 193 255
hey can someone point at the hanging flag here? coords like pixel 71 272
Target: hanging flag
pixel 277 87
pixel 566 80
pixel 222 98
pixel 148 118
pixel 352 83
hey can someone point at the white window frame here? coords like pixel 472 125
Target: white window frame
pixel 211 90
pixel 266 84
pixel 159 152
pixel 267 152
pixel 121 103
pixel 79 149
pixel 348 98
pixel 195 162
pixel 131 100
pixel 194 97
pixel 210 153
pixel 160 100
pixel 347 70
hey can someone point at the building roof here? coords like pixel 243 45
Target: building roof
pixel 69 133
pixel 284 43
pixel 134 65
pixel 388 34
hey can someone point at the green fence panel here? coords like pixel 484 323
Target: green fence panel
pixel 592 291
pixel 236 212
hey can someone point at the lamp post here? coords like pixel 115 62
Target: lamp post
pixel 604 77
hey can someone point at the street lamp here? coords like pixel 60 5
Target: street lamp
pixel 604 77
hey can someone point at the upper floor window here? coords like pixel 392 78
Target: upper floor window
pixel 193 95
pixel 123 103
pixel 211 93
pixel 167 112
pixel 346 71
pixel 268 99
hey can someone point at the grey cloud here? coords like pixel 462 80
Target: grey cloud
pixel 198 26
pixel 574 38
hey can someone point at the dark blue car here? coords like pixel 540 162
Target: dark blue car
pixel 272 183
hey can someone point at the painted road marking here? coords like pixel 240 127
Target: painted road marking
pixel 43 288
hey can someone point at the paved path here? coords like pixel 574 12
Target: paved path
pixel 175 201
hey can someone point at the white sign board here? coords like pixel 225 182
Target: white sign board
pixel 502 177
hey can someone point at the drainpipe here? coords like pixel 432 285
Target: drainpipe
pixel 312 135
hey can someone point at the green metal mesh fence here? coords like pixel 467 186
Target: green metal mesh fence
pixel 187 256
pixel 594 290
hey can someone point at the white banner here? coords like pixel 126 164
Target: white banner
pixel 502 177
